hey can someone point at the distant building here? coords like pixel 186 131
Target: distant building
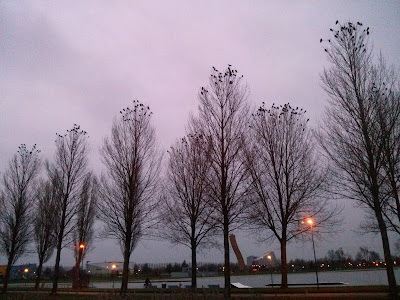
pixel 107 268
pixel 187 272
pixel 263 260
pixel 26 271
pixel 250 260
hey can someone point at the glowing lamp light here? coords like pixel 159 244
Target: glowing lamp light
pixel 82 246
pixel 26 270
pixel 310 221
pixel 113 266
pixel 269 257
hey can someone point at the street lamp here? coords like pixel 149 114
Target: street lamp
pixel 311 222
pixel 81 249
pixel 113 269
pixel 26 271
pixel 270 262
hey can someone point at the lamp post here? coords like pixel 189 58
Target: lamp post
pixel 87 269
pixel 270 263
pixel 81 249
pixel 311 222
pixel 26 272
pixel 112 271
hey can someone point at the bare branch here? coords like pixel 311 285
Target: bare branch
pixel 85 216
pixel 129 188
pixel 68 170
pixel 45 219
pixel 185 210
pixel 357 131
pixel 18 197
pixel 223 117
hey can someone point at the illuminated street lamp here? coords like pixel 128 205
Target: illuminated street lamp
pixel 26 271
pixel 114 266
pixel 270 262
pixel 81 249
pixel 311 222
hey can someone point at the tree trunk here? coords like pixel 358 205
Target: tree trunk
pixel 38 274
pixel 76 276
pixel 77 281
pixel 194 265
pixel 392 179
pixel 396 197
pixel 8 271
pixel 395 193
pixel 125 271
pixel 227 270
pixel 387 255
pixel 284 269
pixel 373 173
pixel 57 265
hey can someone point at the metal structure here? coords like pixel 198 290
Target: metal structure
pixel 238 254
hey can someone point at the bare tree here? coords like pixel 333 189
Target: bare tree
pixel 129 189
pixel 69 169
pixel 85 216
pixel 45 219
pixel 366 255
pixel 223 116
pixel 387 94
pixel 18 199
pixel 185 211
pixel 286 176
pixel 351 136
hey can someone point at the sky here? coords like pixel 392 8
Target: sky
pixel 81 62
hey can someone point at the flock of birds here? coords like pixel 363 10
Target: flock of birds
pixel 139 108
pixel 76 129
pixel 22 150
pixel 349 32
pixel 229 75
pixel 284 110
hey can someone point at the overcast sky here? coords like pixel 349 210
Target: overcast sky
pixel 66 62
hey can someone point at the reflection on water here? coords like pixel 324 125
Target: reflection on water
pixel 353 278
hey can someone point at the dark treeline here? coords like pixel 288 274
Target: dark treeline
pixel 264 170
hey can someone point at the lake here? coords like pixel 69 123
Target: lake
pixel 352 278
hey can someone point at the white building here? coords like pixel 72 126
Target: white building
pixel 266 260
pixel 107 268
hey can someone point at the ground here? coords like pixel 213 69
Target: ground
pixel 326 293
